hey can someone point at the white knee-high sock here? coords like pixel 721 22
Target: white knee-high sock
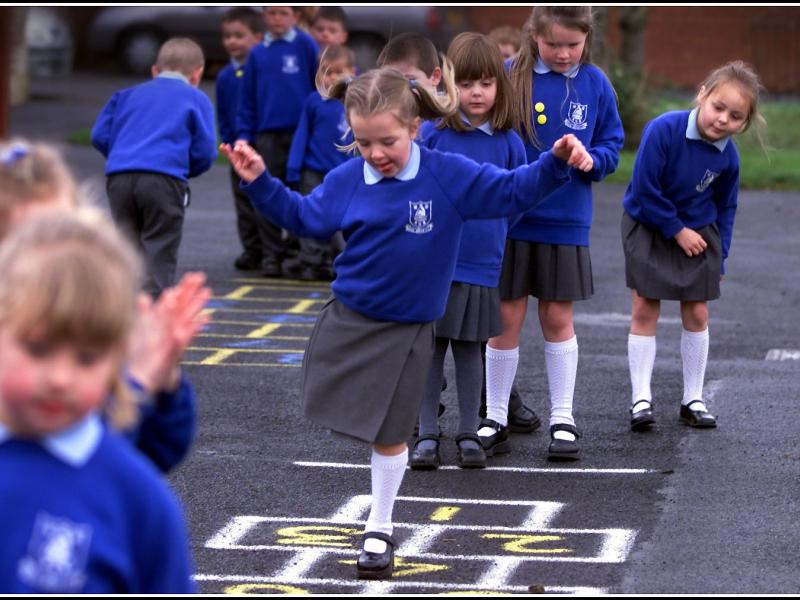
pixel 694 352
pixel 387 475
pixel 561 360
pixel 501 368
pixel 641 358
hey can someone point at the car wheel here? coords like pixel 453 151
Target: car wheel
pixel 366 48
pixel 138 50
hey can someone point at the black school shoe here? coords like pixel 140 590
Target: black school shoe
pixel 247 261
pixel 372 565
pixel 523 420
pixel 697 418
pixel 468 456
pixel 425 460
pixel 642 419
pixel 563 449
pixel 496 443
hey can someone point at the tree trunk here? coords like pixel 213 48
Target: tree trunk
pixel 600 51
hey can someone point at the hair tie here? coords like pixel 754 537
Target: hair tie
pixel 12 154
pixel 412 83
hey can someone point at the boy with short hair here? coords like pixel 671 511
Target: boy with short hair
pixel 278 77
pixel 242 29
pixel 155 136
pixel 415 56
pixel 329 27
pixel 508 39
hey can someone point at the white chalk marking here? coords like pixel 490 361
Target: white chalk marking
pixel 555 470
pixel 781 354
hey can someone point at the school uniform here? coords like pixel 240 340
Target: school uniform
pixel 393 277
pixel 155 136
pixel 547 253
pixel 84 513
pixel 679 180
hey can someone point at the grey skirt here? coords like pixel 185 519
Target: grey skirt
pixel 472 314
pixel 554 272
pixel 365 378
pixel 658 269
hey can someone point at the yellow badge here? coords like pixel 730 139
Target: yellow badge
pixel 239 72
pixel 538 107
pixel 541 119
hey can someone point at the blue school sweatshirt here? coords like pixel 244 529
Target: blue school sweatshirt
pixel 681 180
pixel 480 254
pixel 84 513
pixel 161 126
pixel 584 105
pixel 278 77
pixel 403 232
pixel 228 87
pixel 322 126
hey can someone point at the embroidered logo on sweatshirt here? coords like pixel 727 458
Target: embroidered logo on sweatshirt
pixel 420 218
pixel 706 180
pixel 290 64
pixel 57 555
pixel 576 119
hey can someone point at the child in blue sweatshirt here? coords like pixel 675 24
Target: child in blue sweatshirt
pixel 401 209
pixel 547 252
pixel 84 513
pixel 677 227
pixel 322 129
pixel 242 29
pixel 481 131
pixel 155 136
pixel 279 75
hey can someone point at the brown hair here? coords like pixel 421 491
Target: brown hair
pixel 331 13
pixel 539 22
pixel 72 278
pixel 180 54
pixel 506 34
pixel 476 57
pixel 413 48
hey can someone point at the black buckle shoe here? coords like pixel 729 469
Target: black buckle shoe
pixel 697 418
pixel 496 443
pixel 247 262
pixel 373 565
pixel 270 267
pixel 642 419
pixel 522 419
pixel 470 457
pixel 563 449
pixel 425 460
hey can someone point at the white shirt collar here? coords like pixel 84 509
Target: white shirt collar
pixel 236 64
pixel 485 127
pixel 693 133
pixel 74 446
pixel 373 176
pixel 288 36
pixel 542 68
pixel 174 75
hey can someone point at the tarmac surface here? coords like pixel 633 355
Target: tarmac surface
pixel 276 505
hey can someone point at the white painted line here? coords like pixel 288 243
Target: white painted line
pixel 499 573
pixel 556 470
pixel 394 583
pixel 353 510
pixel 235 530
pixel 422 539
pixel 300 564
pixel 780 354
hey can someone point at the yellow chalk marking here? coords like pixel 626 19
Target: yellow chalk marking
pixel 217 357
pixel 248 588
pixel 538 107
pixel 404 569
pixel 208 311
pixel 303 305
pixel 444 513
pixel 239 293
pixel 541 119
pixel 249 350
pixel 519 543
pixel 305 536
pixel 264 331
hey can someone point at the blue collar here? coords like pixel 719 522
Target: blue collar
pixel 693 133
pixel 73 446
pixel 174 75
pixel 542 68
pixel 373 176
pixel 485 127
pixel 287 37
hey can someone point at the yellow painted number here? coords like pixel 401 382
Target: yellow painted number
pixel 317 535
pixel 404 569
pixel 261 588
pixel 519 543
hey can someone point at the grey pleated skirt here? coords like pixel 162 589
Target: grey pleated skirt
pixel 472 314
pixel 657 268
pixel 365 378
pixel 552 272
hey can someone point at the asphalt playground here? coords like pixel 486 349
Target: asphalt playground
pixel 276 505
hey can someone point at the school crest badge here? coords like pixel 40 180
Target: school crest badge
pixel 576 118
pixel 290 64
pixel 706 180
pixel 420 218
pixel 57 555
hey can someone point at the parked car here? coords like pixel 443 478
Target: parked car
pixel 134 33
pixel 48 41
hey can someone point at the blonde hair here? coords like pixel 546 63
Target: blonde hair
pixel 330 55
pixel 387 89
pixel 72 279
pixel 475 56
pixel 182 55
pixel 31 173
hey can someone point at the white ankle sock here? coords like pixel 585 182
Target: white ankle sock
pixel 501 368
pixel 561 360
pixel 387 475
pixel 641 358
pixel 694 352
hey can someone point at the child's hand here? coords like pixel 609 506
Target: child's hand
pixel 247 163
pixel 571 150
pixel 691 242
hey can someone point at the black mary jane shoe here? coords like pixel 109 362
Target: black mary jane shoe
pixel 563 449
pixel 470 457
pixel 522 419
pixel 643 418
pixel 496 443
pixel 697 418
pixel 374 565
pixel 425 460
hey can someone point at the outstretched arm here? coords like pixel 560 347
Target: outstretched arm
pixel 247 163
pixel 572 151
